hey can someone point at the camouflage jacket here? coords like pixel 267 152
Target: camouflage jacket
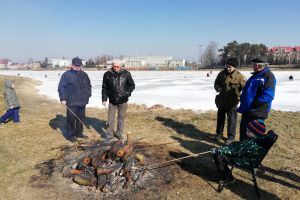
pixel 229 87
pixel 246 154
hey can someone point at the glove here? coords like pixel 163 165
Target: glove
pixel 213 150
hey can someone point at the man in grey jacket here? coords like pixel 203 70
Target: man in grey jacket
pixel 11 102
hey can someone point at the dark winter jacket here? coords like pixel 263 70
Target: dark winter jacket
pixel 10 96
pixel 117 86
pixel 258 94
pixel 75 88
pixel 229 87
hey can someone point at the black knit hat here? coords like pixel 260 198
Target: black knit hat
pixel 261 59
pixel 232 62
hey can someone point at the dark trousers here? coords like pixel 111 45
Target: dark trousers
pixel 231 122
pixel 74 126
pixel 222 163
pixel 112 109
pixel 11 113
pixel 246 118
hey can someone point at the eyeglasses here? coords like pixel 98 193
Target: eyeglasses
pixel 229 66
pixel 117 66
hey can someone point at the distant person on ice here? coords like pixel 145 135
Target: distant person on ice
pixel 291 78
pixel 257 95
pixel 117 86
pixel 229 83
pixel 11 102
pixel 74 92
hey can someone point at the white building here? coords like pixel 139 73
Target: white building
pixel 61 62
pixel 146 61
pixel 176 63
pixel 64 62
pixel 149 61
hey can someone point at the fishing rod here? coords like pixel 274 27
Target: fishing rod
pixel 157 165
pixel 94 136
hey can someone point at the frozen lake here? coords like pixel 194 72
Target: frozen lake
pixel 174 89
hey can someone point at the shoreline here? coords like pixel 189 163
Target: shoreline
pixel 43 89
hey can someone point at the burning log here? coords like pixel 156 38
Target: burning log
pixel 101 180
pixel 140 158
pixel 109 169
pixel 108 166
pixel 85 180
pixel 115 148
pixel 99 158
pixel 77 171
pixel 129 163
pixel 86 160
pixel 125 152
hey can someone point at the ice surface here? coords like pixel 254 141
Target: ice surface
pixel 174 89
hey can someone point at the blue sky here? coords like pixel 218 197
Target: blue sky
pixel 89 28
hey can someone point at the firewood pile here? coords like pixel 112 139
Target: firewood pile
pixel 108 166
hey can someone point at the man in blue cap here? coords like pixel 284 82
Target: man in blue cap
pixel 74 92
pixel 257 95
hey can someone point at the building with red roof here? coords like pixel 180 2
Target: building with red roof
pixel 285 55
pixel 4 63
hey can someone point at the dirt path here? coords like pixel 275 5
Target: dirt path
pixel 29 152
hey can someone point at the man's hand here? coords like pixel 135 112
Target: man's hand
pixel 104 103
pixel 11 107
pixel 63 102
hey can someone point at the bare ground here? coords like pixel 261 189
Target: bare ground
pixel 30 153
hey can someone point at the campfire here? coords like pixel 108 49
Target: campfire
pixel 111 170
pixel 109 166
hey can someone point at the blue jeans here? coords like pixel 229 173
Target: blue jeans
pixel 11 113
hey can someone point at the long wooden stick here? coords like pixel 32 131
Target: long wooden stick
pixel 94 136
pixel 150 167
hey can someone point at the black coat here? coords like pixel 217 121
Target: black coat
pixel 75 88
pixel 117 86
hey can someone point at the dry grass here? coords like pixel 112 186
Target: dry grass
pixel 25 146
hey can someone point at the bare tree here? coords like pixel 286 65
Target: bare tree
pixel 30 61
pixel 210 55
pixel 101 60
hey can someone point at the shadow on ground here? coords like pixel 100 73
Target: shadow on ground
pixel 203 165
pixel 59 125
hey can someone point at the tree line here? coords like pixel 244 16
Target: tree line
pixel 244 52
